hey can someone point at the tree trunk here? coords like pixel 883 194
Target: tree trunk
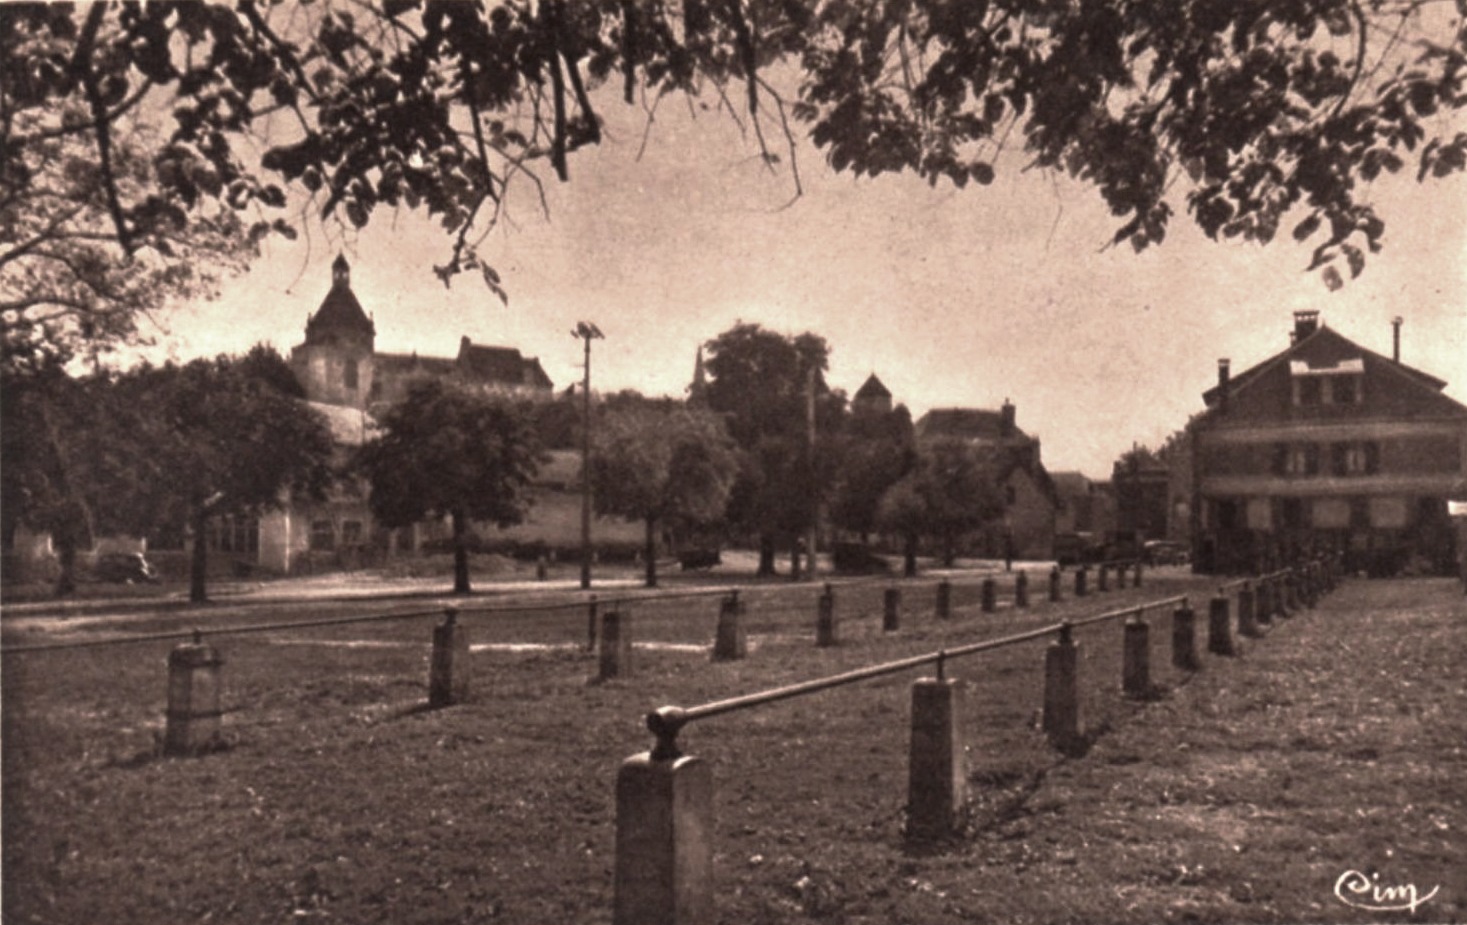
pixel 909 567
pixel 766 556
pixel 650 552
pixel 66 558
pixel 460 554
pixel 199 559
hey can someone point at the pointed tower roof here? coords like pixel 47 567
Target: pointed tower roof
pixel 873 388
pixel 698 389
pixel 340 311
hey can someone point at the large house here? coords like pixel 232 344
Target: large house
pixel 1030 500
pixel 1327 446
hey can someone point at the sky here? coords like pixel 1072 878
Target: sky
pixel 953 298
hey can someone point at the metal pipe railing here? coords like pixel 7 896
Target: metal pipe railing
pixel 666 722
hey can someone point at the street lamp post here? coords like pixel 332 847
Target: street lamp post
pixel 586 332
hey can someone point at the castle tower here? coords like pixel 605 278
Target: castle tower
pixel 334 363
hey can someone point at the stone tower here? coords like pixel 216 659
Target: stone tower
pixel 334 363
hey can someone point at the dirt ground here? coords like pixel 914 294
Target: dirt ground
pixel 1325 763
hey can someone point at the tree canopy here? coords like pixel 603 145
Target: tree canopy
pixel 447 452
pixel 660 465
pixel 1250 116
pixel 156 449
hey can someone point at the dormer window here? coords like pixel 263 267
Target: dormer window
pixel 1339 384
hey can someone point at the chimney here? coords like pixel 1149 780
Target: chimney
pixel 1305 323
pixel 1396 338
pixel 1222 385
pixel 1006 422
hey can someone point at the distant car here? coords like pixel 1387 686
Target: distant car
pixel 1165 552
pixel 692 559
pixel 124 568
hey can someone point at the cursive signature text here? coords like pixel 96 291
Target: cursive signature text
pixel 1366 892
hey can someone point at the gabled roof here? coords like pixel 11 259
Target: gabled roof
pixel 1070 484
pixel 966 424
pixel 500 365
pixel 1323 348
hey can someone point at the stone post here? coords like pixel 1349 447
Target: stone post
pixel 1062 689
pixel 944 599
pixel 990 595
pixel 448 666
pixel 591 622
pixel 891 614
pixel 1220 627
pixel 1121 576
pixel 1055 594
pixel 826 631
pixel 1263 601
pixel 1138 572
pixel 937 777
pixel 1291 592
pixel 1184 639
pixel 664 841
pixel 616 645
pixel 1247 612
pixel 1102 578
pixel 1136 658
pixel 730 643
pixel 194 715
pixel 1081 575
pixel 1021 590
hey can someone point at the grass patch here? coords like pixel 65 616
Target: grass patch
pixel 1334 743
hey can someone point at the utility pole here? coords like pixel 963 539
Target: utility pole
pixel 586 332
pixel 813 530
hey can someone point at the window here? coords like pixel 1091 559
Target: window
pixel 1303 459
pixel 1291 513
pixel 351 533
pixel 1346 390
pixel 1339 458
pixel 234 534
pixel 349 376
pixel 323 536
pixel 1308 391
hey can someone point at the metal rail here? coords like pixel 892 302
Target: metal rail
pixel 666 722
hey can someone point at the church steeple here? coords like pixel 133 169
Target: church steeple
pixel 698 390
pixel 340 316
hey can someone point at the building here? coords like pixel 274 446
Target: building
pixel 1141 484
pixel 1085 505
pixel 337 362
pixel 1327 446
pixel 348 381
pixel 1030 500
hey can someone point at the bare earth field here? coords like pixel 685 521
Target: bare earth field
pixel 1245 793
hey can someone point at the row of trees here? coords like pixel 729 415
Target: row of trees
pixel 155 451
pixel 759 453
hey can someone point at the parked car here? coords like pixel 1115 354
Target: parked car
pixel 124 568
pixel 1165 552
pixel 691 559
